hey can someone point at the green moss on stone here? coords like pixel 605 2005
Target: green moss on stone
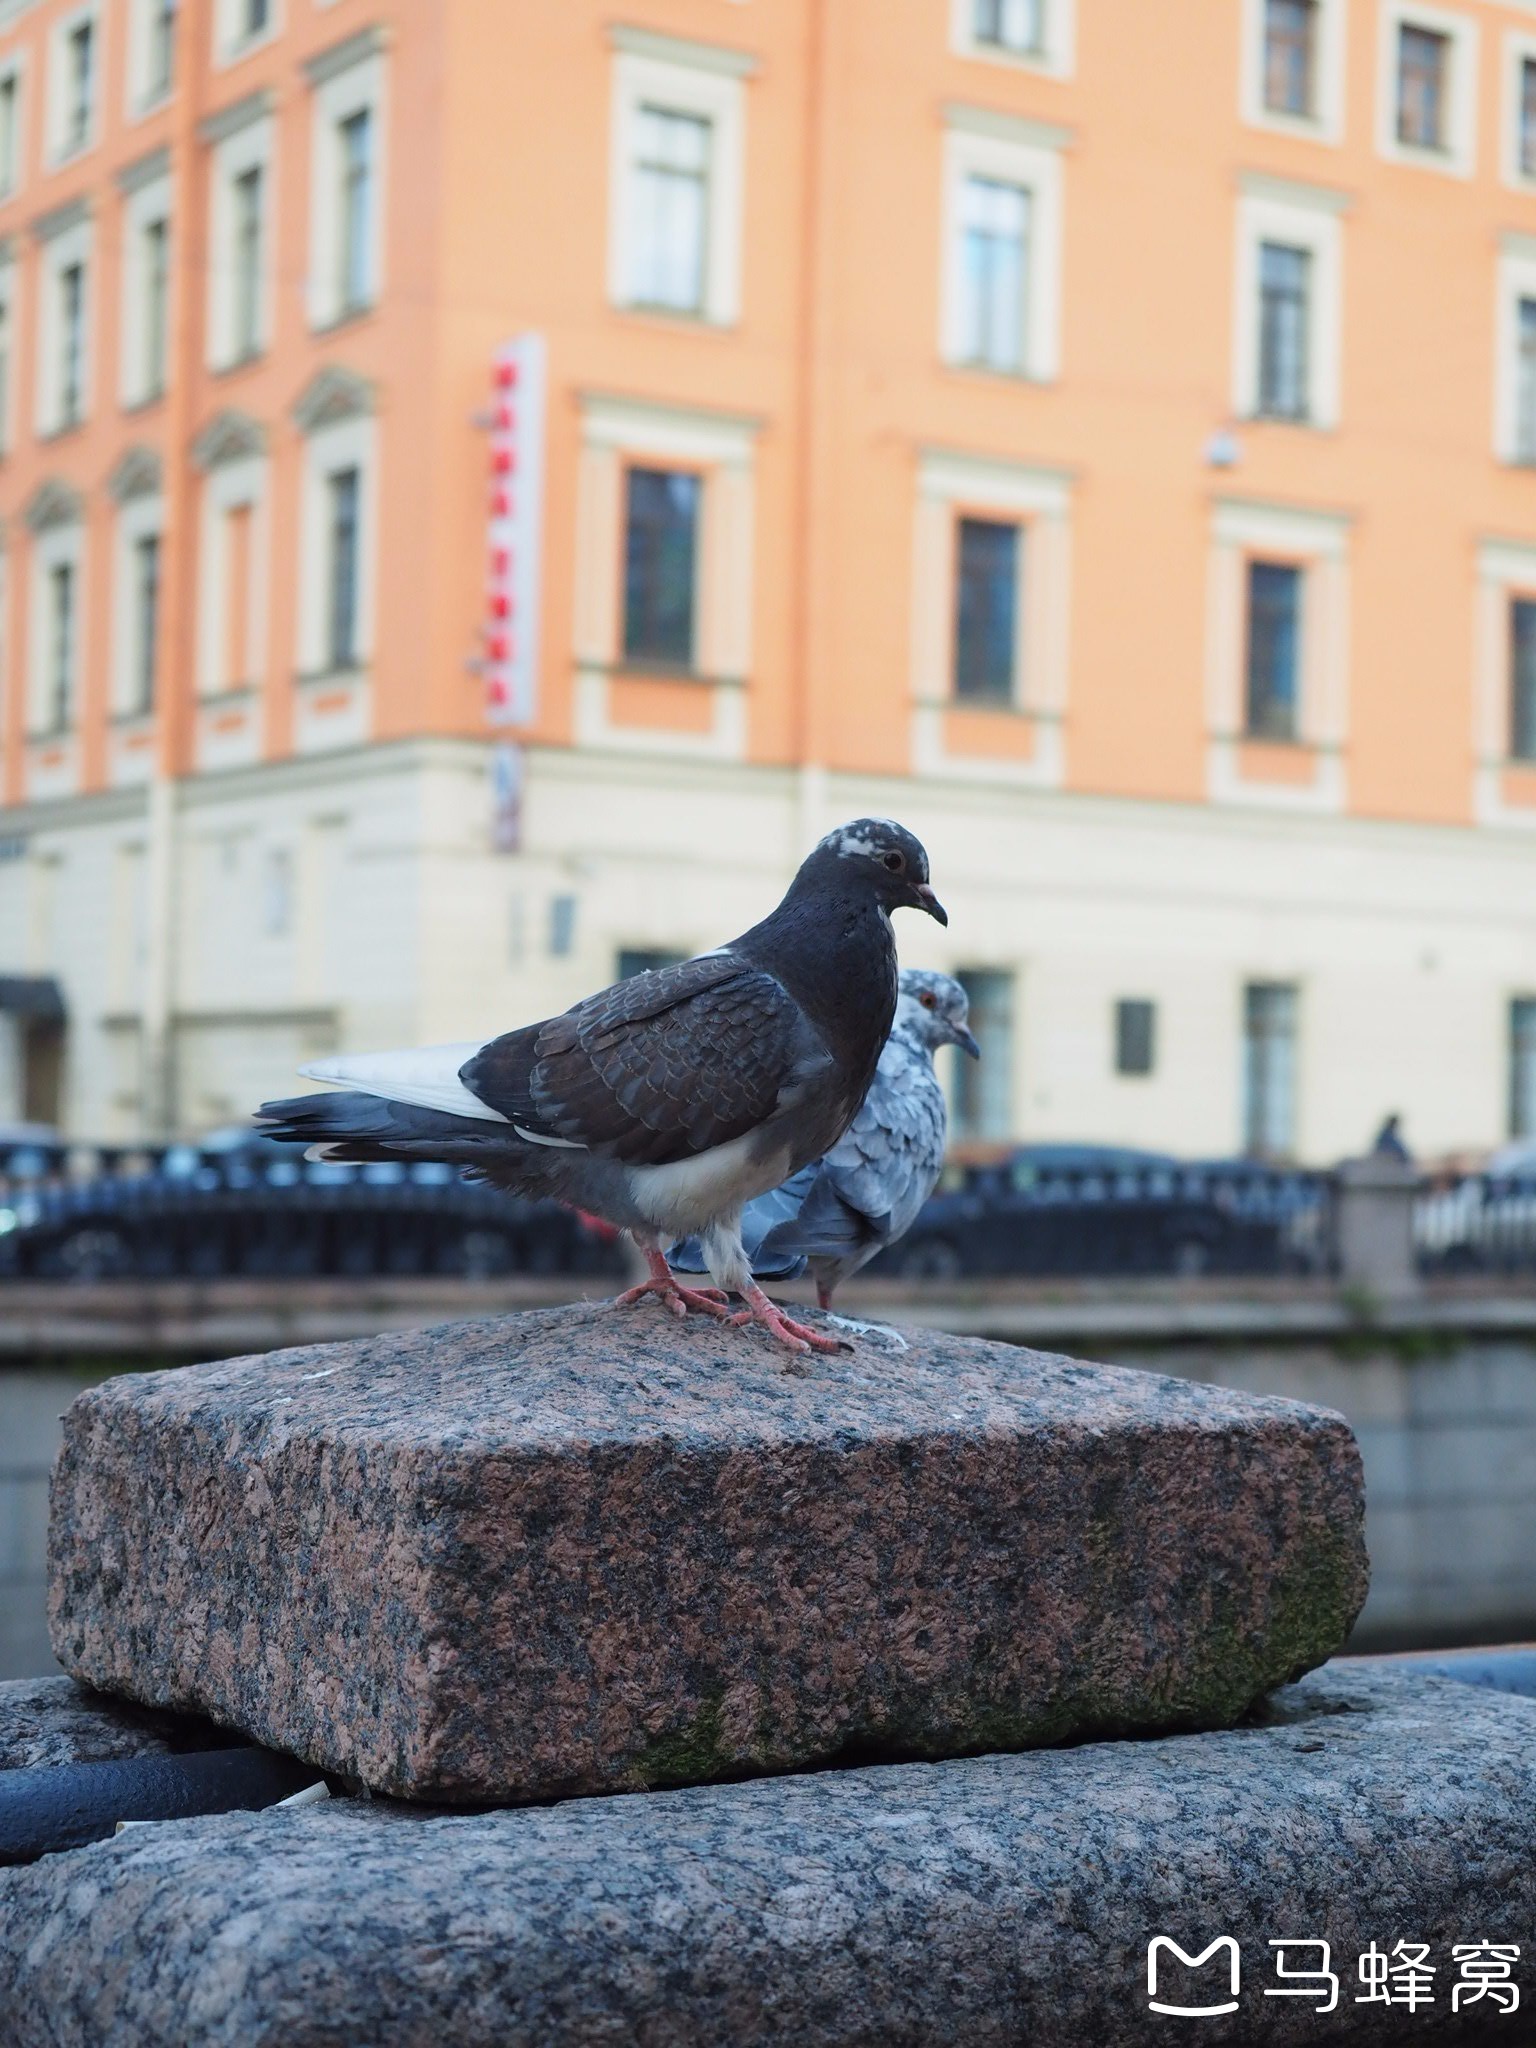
pixel 692 1754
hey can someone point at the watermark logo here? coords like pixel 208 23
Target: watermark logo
pixel 1191 2012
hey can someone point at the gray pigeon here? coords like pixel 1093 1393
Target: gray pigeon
pixel 665 1103
pixel 837 1213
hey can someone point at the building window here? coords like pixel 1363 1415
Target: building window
pixel 248 195
pixel 635 960
pixel 10 131
pixel 80 69
pixel 1423 66
pixel 1285 288
pixel 61 646
pixel 1290 57
pixel 343 489
pixel 1522 679
pixel 994 230
pixel 256 18
pixel 157 285
pixel 1522 1067
pixel 669 210
pixel 983 1103
pixel 1525 380
pixel 162 48
pixel 1135 1035
pixel 1526 111
pixel 5 370
pixel 988 553
pixel 676 177
pixel 562 927
pixel 146 621
pixel 71 344
pixel 355 282
pixel 1013 25
pixel 660 566
pixel 1269 1069
pixel 1274 650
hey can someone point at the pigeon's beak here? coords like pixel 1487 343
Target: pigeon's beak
pixel 967 1042
pixel 925 899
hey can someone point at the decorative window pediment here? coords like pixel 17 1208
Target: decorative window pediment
pixel 54 503
pixel 229 437
pixel 136 474
pixel 333 394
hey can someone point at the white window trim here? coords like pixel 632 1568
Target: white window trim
pixel 10 298
pixel 1459 158
pixel 643 78
pixel 74 244
pixel 141 99
pixel 348 444
pixel 618 433
pixel 1519 48
pixel 358 89
pixel 136 520
pixel 13 175
pixel 1016 152
pixel 1515 280
pixel 51 549
pixel 1057 57
pixel 252 146
pixel 1506 569
pixel 1301 217
pixel 229 44
pixel 1318 544
pixel 225 489
pixel 141 209
pixel 951 485
pixel 59 151
pixel 1327 124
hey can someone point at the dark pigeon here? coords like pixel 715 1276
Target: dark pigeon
pixel 837 1213
pixel 666 1103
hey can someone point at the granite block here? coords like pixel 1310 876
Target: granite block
pixel 987 1902
pixel 592 1549
pixel 50 1721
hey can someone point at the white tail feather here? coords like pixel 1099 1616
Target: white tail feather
pixel 427 1076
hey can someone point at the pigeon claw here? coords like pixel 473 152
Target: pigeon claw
pixel 796 1336
pixel 670 1291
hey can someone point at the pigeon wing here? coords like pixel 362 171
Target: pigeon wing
pixel 657 1068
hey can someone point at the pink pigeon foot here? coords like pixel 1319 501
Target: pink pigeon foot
pixel 798 1336
pixel 667 1288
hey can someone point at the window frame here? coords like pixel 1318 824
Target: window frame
pixel 1252 731
pixel 139 518
pixel 357 87
pixel 709 87
pixel 1326 122
pixel 13 172
pixel 1260 1147
pixel 226 488
pixel 1271 210
pixel 1515 281
pixel 1018 524
pixel 1521 1010
pixel 63 147
pixel 351 443
pixel 1124 1067
pixel 252 146
pixel 1457 157
pixel 59 546
pixel 145 94
pixel 972 1081
pixel 1026 155
pixel 231 42
pixel 1056 56
pixel 1519 49
pixel 142 208
pixel 10 305
pixel 71 245
pixel 1516 602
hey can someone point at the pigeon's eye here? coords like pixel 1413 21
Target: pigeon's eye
pixel 895 862
pixel 928 999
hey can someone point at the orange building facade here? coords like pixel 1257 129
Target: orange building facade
pixel 1104 437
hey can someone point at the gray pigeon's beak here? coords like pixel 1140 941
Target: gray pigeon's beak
pixel 926 900
pixel 967 1042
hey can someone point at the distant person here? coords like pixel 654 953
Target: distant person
pixel 1389 1140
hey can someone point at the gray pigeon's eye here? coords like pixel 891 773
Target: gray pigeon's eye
pixel 928 999
pixel 895 862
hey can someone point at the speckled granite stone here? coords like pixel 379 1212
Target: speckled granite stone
pixel 983 1903
pixel 590 1549
pixel 54 1721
